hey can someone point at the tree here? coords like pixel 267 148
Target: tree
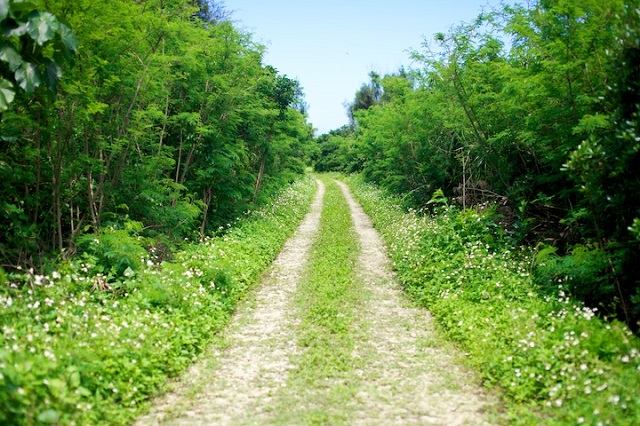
pixel 164 121
pixel 212 11
pixel 367 96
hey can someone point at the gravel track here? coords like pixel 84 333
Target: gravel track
pixel 234 384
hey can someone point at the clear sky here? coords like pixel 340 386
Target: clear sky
pixel 330 46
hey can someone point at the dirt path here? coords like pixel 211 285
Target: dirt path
pixel 235 383
pixel 410 378
pixel 407 376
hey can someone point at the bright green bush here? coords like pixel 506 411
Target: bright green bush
pixel 71 352
pixel 549 354
pixel 116 253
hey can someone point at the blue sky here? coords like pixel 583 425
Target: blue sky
pixel 331 46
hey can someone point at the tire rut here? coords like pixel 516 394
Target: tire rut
pixel 233 385
pixel 409 378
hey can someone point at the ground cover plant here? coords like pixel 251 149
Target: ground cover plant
pixel 555 360
pixel 324 380
pixel 79 349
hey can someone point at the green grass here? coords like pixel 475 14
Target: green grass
pixel 72 354
pixel 553 359
pixel 323 381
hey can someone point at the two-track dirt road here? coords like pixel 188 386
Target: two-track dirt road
pixel 406 375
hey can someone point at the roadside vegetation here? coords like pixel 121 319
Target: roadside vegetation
pixel 532 108
pixel 554 359
pixel 78 349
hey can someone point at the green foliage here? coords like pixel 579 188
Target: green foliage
pixel 366 97
pixel 74 353
pixel 336 153
pixel 164 121
pixel 543 126
pixel 117 253
pixel 554 360
pixel 33 46
pixel 582 274
pixel 438 198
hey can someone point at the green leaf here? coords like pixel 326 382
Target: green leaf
pixel 57 387
pixel 438 198
pixel 67 37
pixel 54 72
pixel 28 77
pixel 99 108
pixel 42 26
pixel 6 94
pixel 10 55
pixel 83 391
pixel 4 9
pixel 19 31
pixel 18 7
pixel 74 379
pixel 545 253
pixel 49 416
pixel 129 272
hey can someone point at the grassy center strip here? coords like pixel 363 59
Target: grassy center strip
pixel 324 379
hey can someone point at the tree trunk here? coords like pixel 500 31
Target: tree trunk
pixel 256 188
pixel 207 196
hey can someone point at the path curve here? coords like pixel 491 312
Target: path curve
pixel 236 383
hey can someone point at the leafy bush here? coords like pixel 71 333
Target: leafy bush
pixel 70 354
pixel 583 274
pixel 118 253
pixel 548 353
